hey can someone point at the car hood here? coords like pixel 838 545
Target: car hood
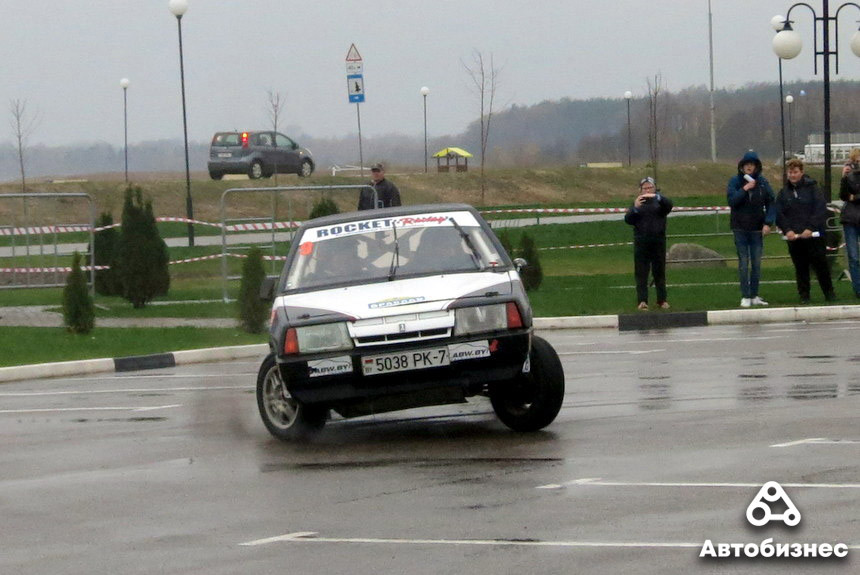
pixel 415 295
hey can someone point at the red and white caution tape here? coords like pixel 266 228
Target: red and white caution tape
pixel 586 246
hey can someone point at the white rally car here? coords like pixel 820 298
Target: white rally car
pixel 397 308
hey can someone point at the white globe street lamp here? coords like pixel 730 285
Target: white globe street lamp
pixel 424 92
pixel 124 83
pixel 178 9
pixel 627 96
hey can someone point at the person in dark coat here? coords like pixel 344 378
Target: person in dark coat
pixel 753 212
pixel 647 215
pixel 387 194
pixel 849 192
pixel 801 215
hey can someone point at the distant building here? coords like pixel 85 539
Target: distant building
pixel 840 147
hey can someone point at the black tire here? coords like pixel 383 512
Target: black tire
pixel 216 175
pixel 255 170
pixel 531 401
pixel 285 418
pixel 306 169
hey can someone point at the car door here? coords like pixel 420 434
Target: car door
pixel 288 154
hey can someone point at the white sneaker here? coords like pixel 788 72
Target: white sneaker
pixel 746 302
pixel 758 301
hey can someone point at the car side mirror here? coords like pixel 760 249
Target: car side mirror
pixel 267 289
pixel 295 146
pixel 520 263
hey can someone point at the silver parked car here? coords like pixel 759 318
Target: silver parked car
pixel 258 154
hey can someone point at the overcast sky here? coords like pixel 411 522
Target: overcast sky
pixel 65 58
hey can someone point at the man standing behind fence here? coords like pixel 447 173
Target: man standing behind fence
pixel 647 215
pixel 387 194
pixel 753 212
pixel 801 214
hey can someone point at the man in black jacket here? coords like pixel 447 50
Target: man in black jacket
pixel 647 215
pixel 387 194
pixel 801 214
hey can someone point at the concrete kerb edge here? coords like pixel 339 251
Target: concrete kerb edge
pixel 720 317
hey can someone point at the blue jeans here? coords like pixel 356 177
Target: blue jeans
pixel 749 245
pixel 852 234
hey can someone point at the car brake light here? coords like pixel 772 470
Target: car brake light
pixel 291 342
pixel 514 318
pixel 244 139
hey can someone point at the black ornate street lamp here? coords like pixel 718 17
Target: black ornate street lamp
pixel 787 44
pixel 124 85
pixel 178 8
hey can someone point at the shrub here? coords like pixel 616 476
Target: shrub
pixel 253 311
pixel 532 274
pixel 324 207
pixel 505 240
pixel 104 250
pixel 141 255
pixel 78 308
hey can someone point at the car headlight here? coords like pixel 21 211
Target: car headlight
pixel 317 338
pixel 480 319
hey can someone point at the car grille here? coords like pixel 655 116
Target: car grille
pixel 403 328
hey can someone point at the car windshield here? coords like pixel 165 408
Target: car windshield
pixel 390 248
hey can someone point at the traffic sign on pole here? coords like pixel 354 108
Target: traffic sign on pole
pixel 354 76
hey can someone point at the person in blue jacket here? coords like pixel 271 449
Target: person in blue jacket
pixel 647 215
pixel 752 202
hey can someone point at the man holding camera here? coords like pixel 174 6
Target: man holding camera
pixel 752 202
pixel 647 215
pixel 849 192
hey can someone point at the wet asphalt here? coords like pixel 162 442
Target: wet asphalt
pixel 664 439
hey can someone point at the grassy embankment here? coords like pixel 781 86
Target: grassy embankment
pixel 577 281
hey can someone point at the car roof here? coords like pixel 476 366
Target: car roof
pixel 388 212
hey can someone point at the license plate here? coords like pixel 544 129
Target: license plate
pixel 405 361
pixel 225 155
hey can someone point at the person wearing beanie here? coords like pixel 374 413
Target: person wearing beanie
pixel 849 192
pixel 753 211
pixel 647 215
pixel 380 190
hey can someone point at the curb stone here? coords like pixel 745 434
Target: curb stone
pixel 623 322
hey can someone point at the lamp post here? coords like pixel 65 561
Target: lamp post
pixel 627 95
pixel 178 8
pixel 790 100
pixel 787 44
pixel 124 85
pixel 778 23
pixel 424 91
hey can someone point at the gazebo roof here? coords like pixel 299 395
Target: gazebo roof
pixel 452 152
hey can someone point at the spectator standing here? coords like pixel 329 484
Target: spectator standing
pixel 801 215
pixel 753 212
pixel 849 192
pixel 647 215
pixel 387 194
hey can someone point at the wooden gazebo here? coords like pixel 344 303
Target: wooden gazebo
pixel 455 154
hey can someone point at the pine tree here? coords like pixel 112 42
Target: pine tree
pixel 104 250
pixel 78 308
pixel 505 240
pixel 253 311
pixel 532 274
pixel 324 207
pixel 142 257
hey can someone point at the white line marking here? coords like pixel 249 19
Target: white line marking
pixel 818 441
pixel 131 390
pixel 601 483
pixel 65 409
pixel 619 352
pixel 311 537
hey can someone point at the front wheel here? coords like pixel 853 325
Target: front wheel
pixel 307 169
pixel 531 401
pixel 284 416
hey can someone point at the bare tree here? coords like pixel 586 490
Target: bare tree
pixel 485 79
pixel 275 108
pixel 653 121
pixel 22 124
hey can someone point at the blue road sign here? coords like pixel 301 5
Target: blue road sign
pixel 355 88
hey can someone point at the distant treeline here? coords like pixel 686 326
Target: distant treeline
pixel 551 132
